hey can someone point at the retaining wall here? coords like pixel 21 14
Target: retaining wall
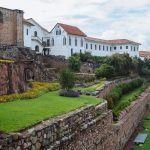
pixel 90 128
pixel 12 78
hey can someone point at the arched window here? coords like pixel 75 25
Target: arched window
pixel 1 17
pixel 76 42
pixel 81 42
pixel 52 41
pixel 69 40
pixel 37 48
pixel 64 41
pixel 35 33
pixel 58 31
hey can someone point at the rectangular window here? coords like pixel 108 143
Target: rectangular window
pixel 95 47
pixel 91 46
pixel 27 32
pixel 131 48
pixel 107 48
pixel 110 48
pixel 99 47
pixel 126 47
pixel 115 48
pixel 120 47
pixel 103 48
pixel 86 45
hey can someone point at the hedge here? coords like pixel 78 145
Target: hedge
pixel 122 89
pixel 37 89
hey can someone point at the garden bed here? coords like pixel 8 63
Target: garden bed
pixel 94 87
pixel 126 100
pixel 18 115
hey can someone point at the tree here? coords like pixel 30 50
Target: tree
pixel 74 63
pixel 67 79
pixel 121 62
pixel 105 71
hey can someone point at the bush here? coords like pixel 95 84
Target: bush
pixel 122 89
pixel 84 77
pixel 37 89
pixel 67 79
pixel 69 93
pixel 74 63
pixel 105 71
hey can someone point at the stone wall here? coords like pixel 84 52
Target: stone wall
pixel 12 78
pixel 11 27
pixel 85 128
pixel 90 128
pixel 129 120
pixel 56 62
pixel 110 85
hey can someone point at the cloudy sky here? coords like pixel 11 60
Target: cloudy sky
pixel 108 19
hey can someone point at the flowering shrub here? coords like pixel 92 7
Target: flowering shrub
pixel 69 93
pixel 7 61
pixel 37 89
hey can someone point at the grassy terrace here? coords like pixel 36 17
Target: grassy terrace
pixel 92 88
pixel 126 99
pixel 146 145
pixel 20 114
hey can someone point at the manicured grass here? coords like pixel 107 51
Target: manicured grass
pixel 92 88
pixel 20 114
pixel 127 99
pixel 146 145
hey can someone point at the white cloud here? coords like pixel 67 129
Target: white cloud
pixel 101 18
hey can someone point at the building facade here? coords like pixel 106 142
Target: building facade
pixel 66 40
pixel 11 27
pixel 144 54
pixel 35 35
pixel 62 40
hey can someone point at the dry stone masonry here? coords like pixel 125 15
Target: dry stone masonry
pixel 11 27
pixel 89 128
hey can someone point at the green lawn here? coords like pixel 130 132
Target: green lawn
pixel 127 99
pixel 93 87
pixel 20 114
pixel 146 145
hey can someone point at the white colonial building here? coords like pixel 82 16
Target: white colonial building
pixel 34 35
pixel 65 40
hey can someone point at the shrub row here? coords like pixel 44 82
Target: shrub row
pixel 118 109
pixel 69 93
pixel 122 89
pixel 37 89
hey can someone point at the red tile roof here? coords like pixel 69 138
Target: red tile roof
pixel 122 41
pixel 117 41
pixel 72 30
pixel 96 40
pixel 144 54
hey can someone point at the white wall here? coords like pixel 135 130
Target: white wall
pixel 41 33
pixel 65 50
pixel 27 36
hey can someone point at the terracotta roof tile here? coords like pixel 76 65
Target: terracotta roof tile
pixel 144 53
pixel 117 41
pixel 72 30
pixel 122 41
